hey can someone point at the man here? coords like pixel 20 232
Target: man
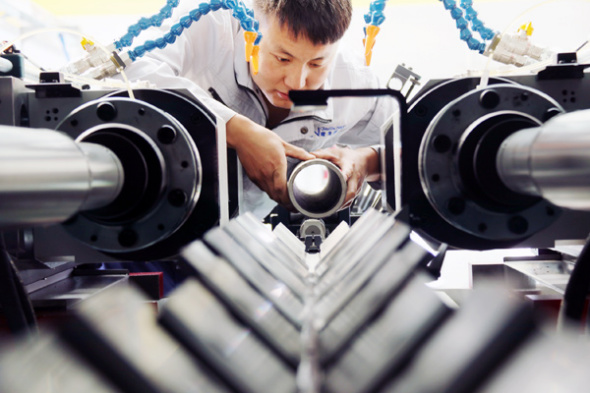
pixel 299 51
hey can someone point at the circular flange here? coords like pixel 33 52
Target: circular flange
pixel 468 123
pixel 171 168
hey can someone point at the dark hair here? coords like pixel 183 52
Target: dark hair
pixel 320 21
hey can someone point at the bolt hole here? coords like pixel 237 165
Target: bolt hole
pixel 550 211
pixel 93 238
pixel 47 118
pixel 141 111
pixel 160 227
pixel 456 205
pixel 482 227
pixel 74 123
pixel 184 164
pixel 435 177
pixel 442 143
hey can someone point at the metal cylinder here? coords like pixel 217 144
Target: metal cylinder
pixel 46 177
pixel 551 161
pixel 317 188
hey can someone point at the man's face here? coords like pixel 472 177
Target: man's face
pixel 289 63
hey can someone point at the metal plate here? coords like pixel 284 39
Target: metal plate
pixel 374 296
pixel 260 252
pixel 43 364
pixel 335 297
pixel 195 318
pixel 383 348
pixel 357 237
pixel 271 288
pixel 117 332
pixel 272 243
pixel 480 336
pixel 240 297
pixel 354 256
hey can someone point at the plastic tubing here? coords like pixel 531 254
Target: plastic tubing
pixel 240 12
pixel 73 32
pixel 530 68
pixel 145 23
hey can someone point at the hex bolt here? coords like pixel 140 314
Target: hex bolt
pixel 456 205
pixel 489 99
pixel 518 225
pixel 177 197
pixel 127 238
pixel 442 143
pixel 167 134
pixel 106 111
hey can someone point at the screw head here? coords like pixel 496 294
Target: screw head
pixel 489 99
pixel 167 134
pixel 106 111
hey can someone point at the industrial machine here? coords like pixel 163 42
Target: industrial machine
pixel 498 165
pixel 479 167
pixel 161 185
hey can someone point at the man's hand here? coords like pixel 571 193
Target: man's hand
pixel 263 155
pixel 357 166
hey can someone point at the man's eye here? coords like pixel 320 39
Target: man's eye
pixel 282 59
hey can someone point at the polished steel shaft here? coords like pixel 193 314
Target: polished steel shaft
pixel 551 161
pixel 317 188
pixel 46 177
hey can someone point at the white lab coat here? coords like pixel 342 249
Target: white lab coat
pixel 209 60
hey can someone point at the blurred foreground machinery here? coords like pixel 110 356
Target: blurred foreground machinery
pixel 261 315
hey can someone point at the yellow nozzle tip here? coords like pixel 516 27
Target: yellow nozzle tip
pixel 255 63
pixel 528 28
pixel 368 58
pixel 249 37
pixel 85 41
pixel 369 40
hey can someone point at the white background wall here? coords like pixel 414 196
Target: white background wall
pixel 420 34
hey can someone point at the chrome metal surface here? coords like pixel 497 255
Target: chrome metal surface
pixel 553 274
pixel 46 177
pixel 317 188
pixel 552 161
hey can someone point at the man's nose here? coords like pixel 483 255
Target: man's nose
pixel 296 78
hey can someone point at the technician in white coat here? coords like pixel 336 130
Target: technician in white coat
pixel 299 51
